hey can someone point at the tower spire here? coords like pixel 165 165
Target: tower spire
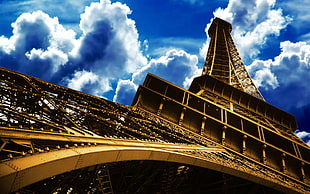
pixel 223 61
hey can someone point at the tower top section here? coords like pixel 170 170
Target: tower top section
pixel 223 61
pixel 219 23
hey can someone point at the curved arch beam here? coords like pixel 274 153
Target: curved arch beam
pixel 20 172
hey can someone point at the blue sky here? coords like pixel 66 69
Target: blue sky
pixel 106 47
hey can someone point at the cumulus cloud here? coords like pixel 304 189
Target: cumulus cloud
pixel 107 49
pixel 41 51
pixel 176 66
pixel 286 71
pixel 125 91
pixel 293 64
pixel 82 78
pixel 51 55
pixel 304 136
pixel 38 46
pixel 253 22
pixel 6 45
pixel 262 75
pixel 110 39
pixel 108 46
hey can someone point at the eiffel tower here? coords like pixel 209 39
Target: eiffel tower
pixel 220 136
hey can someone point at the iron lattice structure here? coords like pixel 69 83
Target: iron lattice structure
pixel 212 138
pixel 224 62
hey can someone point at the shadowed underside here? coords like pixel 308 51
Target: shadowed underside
pixel 189 162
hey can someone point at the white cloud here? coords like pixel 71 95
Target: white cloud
pixel 251 41
pixel 110 43
pixel 288 72
pixel 175 66
pixel 125 92
pixel 6 45
pixel 52 55
pixel 262 75
pixel 106 24
pixel 48 33
pixel 81 78
pixel 204 49
pixel 300 49
pixel 109 47
pixel 38 45
pixel 304 135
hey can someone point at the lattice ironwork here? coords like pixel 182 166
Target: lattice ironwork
pixel 224 62
pixel 30 104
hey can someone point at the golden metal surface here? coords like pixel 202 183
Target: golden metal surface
pixel 51 134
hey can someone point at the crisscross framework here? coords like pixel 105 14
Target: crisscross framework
pixel 224 62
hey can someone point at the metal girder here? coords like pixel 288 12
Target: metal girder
pixel 20 172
